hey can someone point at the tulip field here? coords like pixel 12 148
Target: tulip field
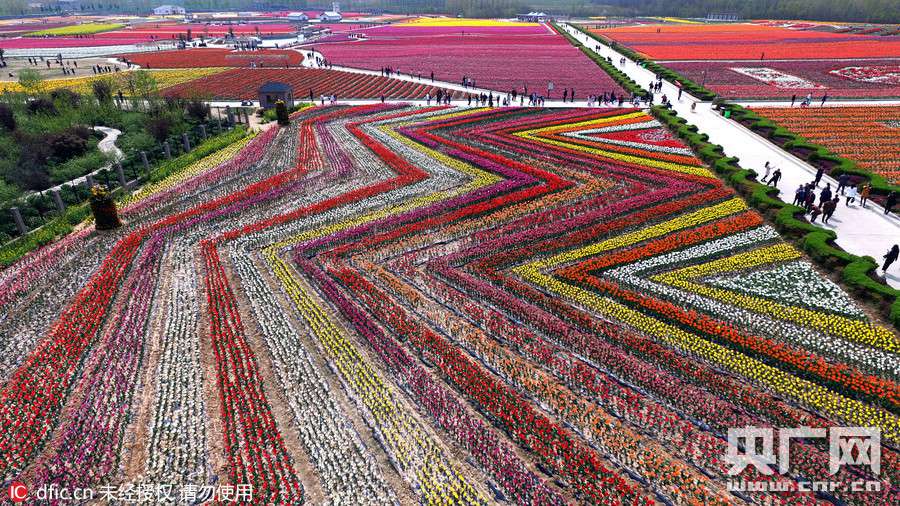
pixel 870 136
pixel 242 84
pixel 768 61
pixel 391 304
pixel 496 55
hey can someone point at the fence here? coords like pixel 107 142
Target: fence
pixel 24 215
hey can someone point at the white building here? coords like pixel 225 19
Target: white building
pixel 169 10
pixel 330 17
pixel 297 17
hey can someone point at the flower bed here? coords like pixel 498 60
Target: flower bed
pixel 242 84
pixel 870 136
pixel 748 42
pixel 384 303
pixel 497 57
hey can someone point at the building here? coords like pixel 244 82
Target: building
pixel 274 91
pixel 169 10
pixel 330 17
pixel 297 17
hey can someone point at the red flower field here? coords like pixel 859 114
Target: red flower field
pixel 502 58
pixel 748 42
pixel 242 84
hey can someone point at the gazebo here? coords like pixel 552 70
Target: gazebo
pixel 274 91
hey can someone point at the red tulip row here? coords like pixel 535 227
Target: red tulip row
pixel 242 84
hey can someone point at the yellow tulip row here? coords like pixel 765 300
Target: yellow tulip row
pixel 695 218
pixel 163 78
pixel 853 330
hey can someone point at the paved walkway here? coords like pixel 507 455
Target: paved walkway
pixel 861 231
pixel 107 145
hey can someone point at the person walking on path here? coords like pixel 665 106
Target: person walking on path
pixel 891 202
pixel 799 196
pixel 776 176
pixel 825 195
pixel 768 168
pixel 814 213
pixel 828 209
pixel 819 174
pixel 810 199
pixel 890 257
pixel 793 100
pixel 843 182
pixel 851 195
pixel 824 98
pixel 864 194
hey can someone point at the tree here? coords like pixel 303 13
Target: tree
pixel 197 109
pixel 31 80
pixel 281 113
pixel 159 127
pixel 7 118
pixel 103 90
pixel 142 85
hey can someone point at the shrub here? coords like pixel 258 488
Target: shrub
pixel 7 118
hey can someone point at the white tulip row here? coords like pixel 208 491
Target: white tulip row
pixel 177 450
pixel 796 283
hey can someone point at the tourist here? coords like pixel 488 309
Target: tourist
pixel 824 98
pixel 825 195
pixel 810 199
pixel 842 183
pixel 768 168
pixel 828 209
pixel 851 195
pixel 890 257
pixel 864 194
pixel 814 213
pixel 891 202
pixel 793 100
pixel 776 176
pixel 799 195
pixel 819 173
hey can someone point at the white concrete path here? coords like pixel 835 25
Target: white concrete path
pixel 107 145
pixel 861 231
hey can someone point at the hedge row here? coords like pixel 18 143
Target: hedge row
pixel 76 214
pixel 817 242
pixel 668 74
pixel 818 155
pixel 623 79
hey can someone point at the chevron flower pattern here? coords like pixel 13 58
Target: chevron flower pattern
pixel 389 304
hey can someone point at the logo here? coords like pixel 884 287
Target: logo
pixel 18 492
pixel 755 447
